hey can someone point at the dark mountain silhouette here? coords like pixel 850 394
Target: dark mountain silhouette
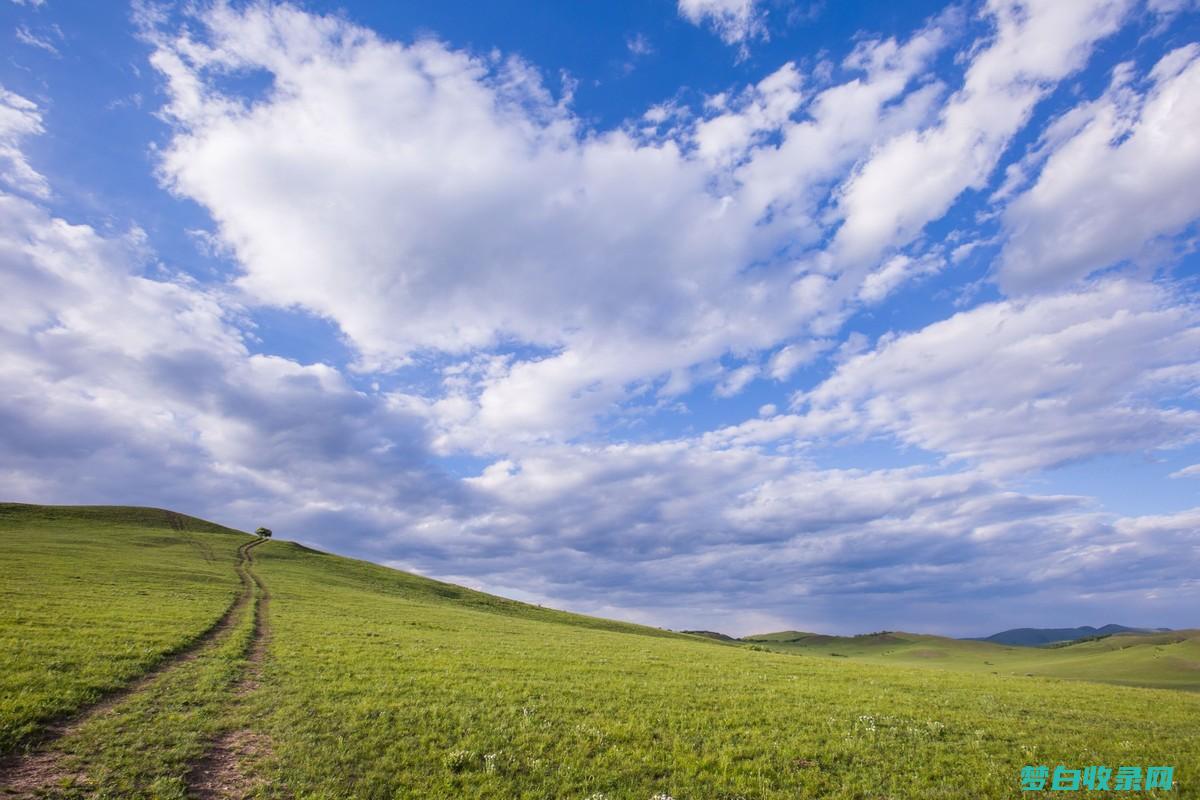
pixel 712 635
pixel 1035 637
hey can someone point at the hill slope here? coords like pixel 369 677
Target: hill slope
pixel 1165 660
pixel 342 678
pixel 17 514
pixel 1036 637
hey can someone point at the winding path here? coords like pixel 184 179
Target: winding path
pixel 222 772
pixel 37 764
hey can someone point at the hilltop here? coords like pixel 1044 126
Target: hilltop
pixel 1037 637
pixel 720 637
pixel 125 516
pixel 151 655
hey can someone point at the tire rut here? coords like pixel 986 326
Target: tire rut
pixel 36 764
pixel 223 771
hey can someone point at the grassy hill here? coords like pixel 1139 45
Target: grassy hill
pixel 98 517
pixel 1168 660
pixel 1038 637
pixel 337 678
pixel 94 596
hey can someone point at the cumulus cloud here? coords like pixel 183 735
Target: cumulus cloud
pixel 127 386
pixel 897 270
pixel 429 201
pixel 121 385
pixel 760 111
pixel 1026 384
pixel 108 372
pixel 676 531
pixel 735 21
pixel 1035 45
pixel 790 358
pixel 497 221
pixel 1110 190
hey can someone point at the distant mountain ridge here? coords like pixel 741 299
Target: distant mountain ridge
pixel 712 635
pixel 1036 637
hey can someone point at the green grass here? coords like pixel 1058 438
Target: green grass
pixel 350 576
pixel 1156 660
pixel 144 747
pixel 93 597
pixel 379 689
pixel 381 685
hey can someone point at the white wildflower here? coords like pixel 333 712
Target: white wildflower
pixel 458 760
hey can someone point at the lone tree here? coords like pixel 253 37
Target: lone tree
pixel 264 533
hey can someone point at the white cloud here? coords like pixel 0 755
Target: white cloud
pixel 1122 178
pixel 735 21
pixel 791 357
pixel 767 107
pixel 121 387
pixel 914 178
pixel 28 37
pixel 428 201
pixel 436 204
pixel 786 185
pixel 684 531
pixel 107 372
pixel 737 380
pixel 1019 385
pixel 639 45
pixel 463 210
pixel 895 271
pixel 19 118
pixel 1170 7
pixel 1187 472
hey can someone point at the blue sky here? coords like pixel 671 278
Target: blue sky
pixel 735 314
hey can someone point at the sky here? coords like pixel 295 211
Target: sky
pixel 742 315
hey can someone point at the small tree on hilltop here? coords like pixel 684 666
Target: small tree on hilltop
pixel 264 533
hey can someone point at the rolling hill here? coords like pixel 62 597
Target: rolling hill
pixel 1037 637
pixel 150 655
pixel 1169 660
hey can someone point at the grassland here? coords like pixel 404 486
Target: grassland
pixel 1157 660
pixel 93 597
pixel 378 684
pixel 147 745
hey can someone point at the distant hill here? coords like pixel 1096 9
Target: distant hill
pixel 721 637
pixel 809 639
pixel 1133 657
pixel 1036 637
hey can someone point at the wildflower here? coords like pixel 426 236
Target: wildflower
pixel 458 760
